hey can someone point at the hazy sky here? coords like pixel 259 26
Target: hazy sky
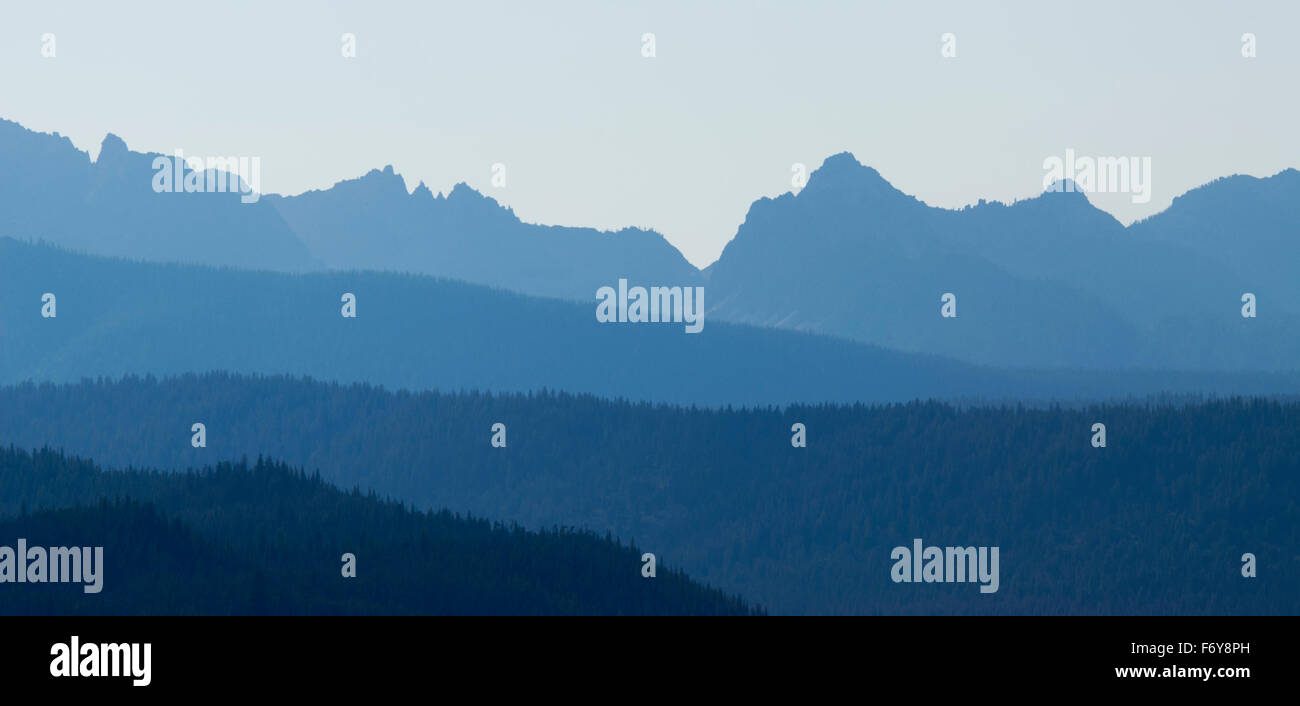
pixel 592 133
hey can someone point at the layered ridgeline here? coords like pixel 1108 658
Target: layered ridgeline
pixel 51 191
pixel 373 223
pixel 1046 282
pixel 262 538
pixel 112 317
pixel 1156 521
pixel 1050 281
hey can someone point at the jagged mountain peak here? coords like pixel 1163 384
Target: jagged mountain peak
pixel 466 196
pixel 111 149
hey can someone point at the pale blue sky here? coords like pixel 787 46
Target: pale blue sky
pixel 594 134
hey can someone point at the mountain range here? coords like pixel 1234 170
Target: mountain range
pixel 823 310
pixel 1047 282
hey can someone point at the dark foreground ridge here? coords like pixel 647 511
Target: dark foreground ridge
pixel 263 538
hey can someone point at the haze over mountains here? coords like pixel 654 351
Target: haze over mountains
pixel 830 295
pixel 416 332
pixel 51 191
pixel 373 223
pixel 1049 282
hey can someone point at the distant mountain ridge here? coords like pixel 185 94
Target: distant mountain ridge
pixel 1047 282
pixel 1050 281
pixel 414 332
pixel 51 191
pixel 469 236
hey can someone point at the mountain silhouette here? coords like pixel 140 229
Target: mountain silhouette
pixel 1050 281
pixel 51 191
pixel 373 223
pixel 1249 227
pixel 1046 282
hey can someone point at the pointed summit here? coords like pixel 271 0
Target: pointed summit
pixel 843 161
pixel 111 149
pixel 845 165
pixel 463 190
pixel 472 200
pixel 844 172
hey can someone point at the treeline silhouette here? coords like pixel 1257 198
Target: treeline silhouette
pixel 1155 522
pixel 263 538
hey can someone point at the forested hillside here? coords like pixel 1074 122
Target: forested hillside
pixel 1155 522
pixel 262 538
